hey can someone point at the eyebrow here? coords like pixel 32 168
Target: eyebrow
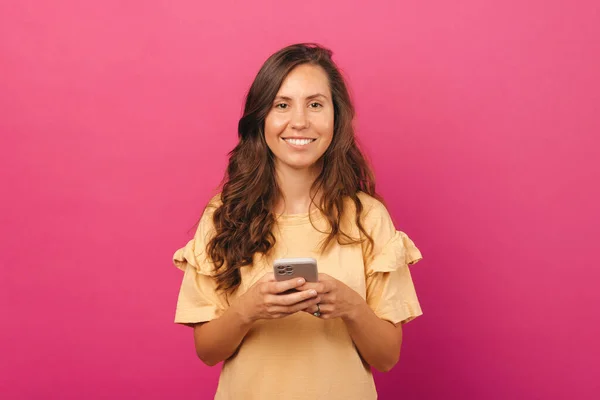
pixel 312 96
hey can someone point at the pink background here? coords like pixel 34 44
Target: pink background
pixel 481 118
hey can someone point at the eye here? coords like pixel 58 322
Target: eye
pixel 281 106
pixel 316 105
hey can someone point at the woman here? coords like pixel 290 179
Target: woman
pixel 297 185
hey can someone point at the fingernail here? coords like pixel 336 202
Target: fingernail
pixel 300 281
pixel 312 292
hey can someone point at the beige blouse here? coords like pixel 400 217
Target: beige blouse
pixel 301 356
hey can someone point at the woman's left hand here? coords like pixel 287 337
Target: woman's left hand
pixel 337 299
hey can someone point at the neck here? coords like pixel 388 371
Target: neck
pixel 295 186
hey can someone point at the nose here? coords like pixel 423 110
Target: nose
pixel 299 120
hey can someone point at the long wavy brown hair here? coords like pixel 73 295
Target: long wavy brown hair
pixel 245 219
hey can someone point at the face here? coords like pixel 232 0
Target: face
pixel 299 126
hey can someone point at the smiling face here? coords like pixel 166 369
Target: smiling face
pixel 299 126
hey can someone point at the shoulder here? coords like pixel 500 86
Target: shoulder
pixel 213 204
pixel 373 207
pixel 369 202
pixel 205 226
pixel 373 214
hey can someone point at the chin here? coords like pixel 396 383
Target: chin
pixel 299 164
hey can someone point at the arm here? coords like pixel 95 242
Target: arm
pixel 217 340
pixel 378 341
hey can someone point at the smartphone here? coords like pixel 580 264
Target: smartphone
pixel 290 268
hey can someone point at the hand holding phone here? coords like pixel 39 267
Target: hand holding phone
pixel 277 296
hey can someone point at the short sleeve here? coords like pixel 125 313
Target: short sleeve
pixel 390 290
pixel 198 299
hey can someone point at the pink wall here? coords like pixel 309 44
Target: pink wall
pixel 480 116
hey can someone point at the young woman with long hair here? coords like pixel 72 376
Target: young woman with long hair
pixel 297 185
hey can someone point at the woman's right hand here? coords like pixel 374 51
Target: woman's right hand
pixel 266 299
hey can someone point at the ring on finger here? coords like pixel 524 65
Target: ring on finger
pixel 318 312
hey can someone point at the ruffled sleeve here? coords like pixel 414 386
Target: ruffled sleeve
pixel 198 299
pixel 390 290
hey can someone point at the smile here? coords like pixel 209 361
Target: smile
pixel 298 142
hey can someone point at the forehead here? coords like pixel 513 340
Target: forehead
pixel 305 80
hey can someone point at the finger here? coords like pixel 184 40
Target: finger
pixel 325 310
pixel 279 287
pixel 327 281
pixel 318 286
pixel 313 308
pixel 291 309
pixel 278 314
pixel 328 298
pixel 293 298
pixel 304 305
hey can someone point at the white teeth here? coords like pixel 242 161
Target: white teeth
pixel 299 142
